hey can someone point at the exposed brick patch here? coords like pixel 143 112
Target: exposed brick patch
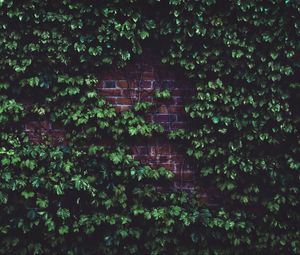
pixel 138 82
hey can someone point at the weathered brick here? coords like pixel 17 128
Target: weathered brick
pixel 147 99
pixel 148 75
pixel 163 109
pixel 164 84
pixel 121 108
pixel 176 109
pixel 145 93
pixel 123 84
pixel 146 84
pixel 124 101
pixel 110 92
pixel 163 149
pixel 141 150
pixel 129 93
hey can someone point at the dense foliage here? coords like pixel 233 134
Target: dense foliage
pixel 82 197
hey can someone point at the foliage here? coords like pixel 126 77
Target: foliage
pixel 245 140
pixel 65 200
pixel 162 94
pixel 82 197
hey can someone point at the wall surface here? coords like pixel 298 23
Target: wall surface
pixel 138 83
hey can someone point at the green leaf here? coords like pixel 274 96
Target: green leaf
pixel 144 34
pixel 215 120
pixel 27 194
pixel 63 230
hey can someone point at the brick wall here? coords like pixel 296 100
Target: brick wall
pixel 138 83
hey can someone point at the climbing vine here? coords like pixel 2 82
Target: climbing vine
pixel 80 195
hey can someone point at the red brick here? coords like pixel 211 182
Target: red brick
pixel 121 108
pixel 163 149
pixel 129 93
pixel 142 150
pixel 148 75
pixel 146 84
pixel 162 109
pixel 130 84
pixel 124 101
pixel 147 93
pixel 101 83
pixel 136 92
pixel 176 109
pixel 147 99
pixel 123 84
pixel 138 84
pixel 110 92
